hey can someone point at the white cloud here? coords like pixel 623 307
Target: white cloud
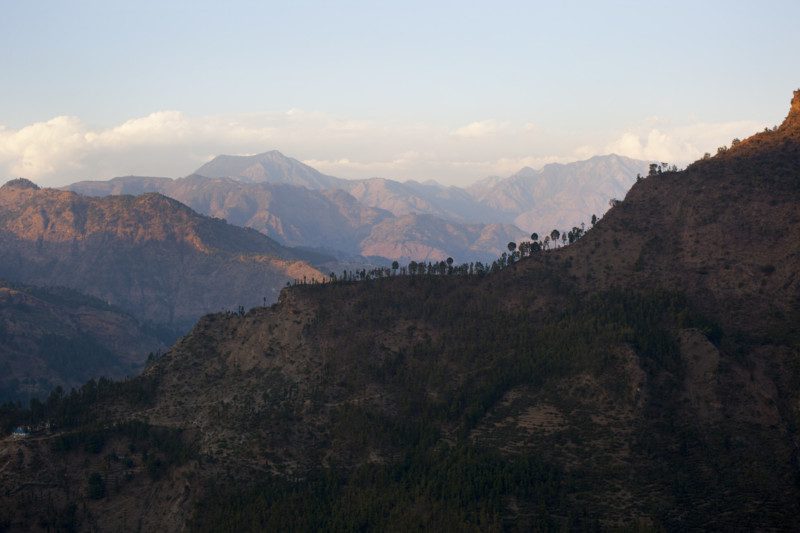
pixel 42 148
pixel 170 143
pixel 679 144
pixel 482 128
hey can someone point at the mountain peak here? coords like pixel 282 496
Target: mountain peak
pixel 272 154
pixel 20 183
pixel 267 167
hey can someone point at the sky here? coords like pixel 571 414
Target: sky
pixel 451 91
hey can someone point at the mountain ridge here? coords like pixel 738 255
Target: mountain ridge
pixel 120 248
pixel 349 220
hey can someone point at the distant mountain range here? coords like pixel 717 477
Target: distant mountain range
pixel 560 196
pixel 299 206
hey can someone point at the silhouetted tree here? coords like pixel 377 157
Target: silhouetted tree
pixel 554 235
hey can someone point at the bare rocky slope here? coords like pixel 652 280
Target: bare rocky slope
pixel 646 377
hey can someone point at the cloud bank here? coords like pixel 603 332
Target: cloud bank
pixel 169 143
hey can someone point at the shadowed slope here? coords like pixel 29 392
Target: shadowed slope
pixel 58 337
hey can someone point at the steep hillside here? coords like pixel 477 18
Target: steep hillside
pixel 269 167
pixel 645 378
pixel 149 254
pixel 53 337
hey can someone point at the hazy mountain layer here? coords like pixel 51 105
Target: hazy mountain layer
pixel 428 238
pixel 560 196
pixel 413 198
pixel 296 205
pixel 329 219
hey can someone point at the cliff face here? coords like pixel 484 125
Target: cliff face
pixel 646 376
pixel 149 254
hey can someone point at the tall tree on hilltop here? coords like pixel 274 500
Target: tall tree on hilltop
pixel 554 235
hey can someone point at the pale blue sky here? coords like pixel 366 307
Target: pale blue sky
pixel 548 80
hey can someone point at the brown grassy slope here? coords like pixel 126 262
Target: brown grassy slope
pixel 149 254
